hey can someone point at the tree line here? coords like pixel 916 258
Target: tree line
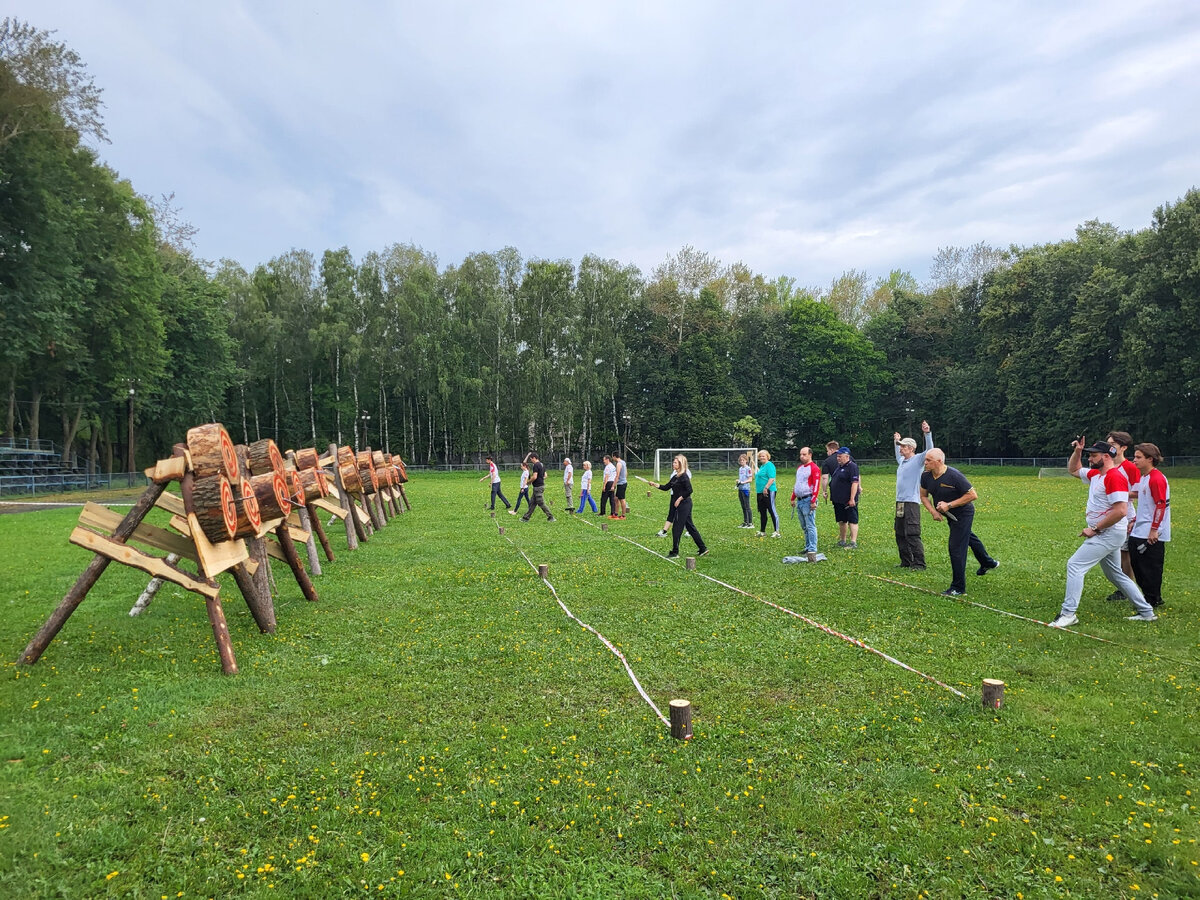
pixel 114 328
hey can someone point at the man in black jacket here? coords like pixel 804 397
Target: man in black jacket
pixel 537 488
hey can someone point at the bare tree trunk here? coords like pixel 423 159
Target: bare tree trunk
pixel 312 407
pixel 10 419
pixel 93 448
pixel 245 425
pixel 70 427
pixel 275 405
pixel 108 449
pixel 257 426
pixel 337 392
pixel 356 411
pixel 35 410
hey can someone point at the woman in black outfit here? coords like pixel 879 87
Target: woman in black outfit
pixel 680 487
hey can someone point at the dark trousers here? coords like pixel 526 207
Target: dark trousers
pixel 496 492
pixel 1147 559
pixel 962 537
pixel 538 502
pixel 524 495
pixel 683 520
pixel 766 504
pixel 747 517
pixel 908 535
pixel 607 497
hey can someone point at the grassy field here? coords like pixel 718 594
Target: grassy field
pixel 436 726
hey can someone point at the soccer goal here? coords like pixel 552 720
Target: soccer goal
pixel 701 459
pixel 1053 472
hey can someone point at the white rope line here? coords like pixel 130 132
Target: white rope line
pixel 1005 612
pixel 607 643
pixel 55 503
pixel 815 624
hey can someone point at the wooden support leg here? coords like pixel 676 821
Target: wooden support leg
pixel 88 579
pixel 310 546
pixel 216 616
pixel 364 529
pixel 385 512
pixel 394 505
pixel 404 497
pixel 352 526
pixel 293 561
pixel 147 596
pixel 320 530
pixel 259 601
pixel 373 509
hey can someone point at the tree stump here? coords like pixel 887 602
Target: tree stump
pixel 212 452
pixel 993 693
pixel 215 509
pixel 264 457
pixel 543 570
pixel 681 720
pixel 689 563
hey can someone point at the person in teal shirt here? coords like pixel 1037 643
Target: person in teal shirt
pixel 764 486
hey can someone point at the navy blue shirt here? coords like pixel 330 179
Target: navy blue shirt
pixel 840 482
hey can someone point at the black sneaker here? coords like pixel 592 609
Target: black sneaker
pixel 673 554
pixel 524 518
pixel 550 518
pixel 1116 597
pixel 951 592
pixel 703 552
pixel 984 569
pixel 917 568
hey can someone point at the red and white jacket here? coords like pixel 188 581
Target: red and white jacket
pixel 808 483
pixel 1105 490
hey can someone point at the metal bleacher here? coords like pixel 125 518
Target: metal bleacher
pixel 33 467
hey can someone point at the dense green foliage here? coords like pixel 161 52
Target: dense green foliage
pixel 103 308
pixel 437 726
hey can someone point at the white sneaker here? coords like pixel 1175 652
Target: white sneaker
pixel 1065 621
pixel 776 534
pixel 761 534
pixel 1140 618
pixel 662 533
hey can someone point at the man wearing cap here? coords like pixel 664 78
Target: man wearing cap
pixel 1108 499
pixel 909 464
pixel 947 494
pixel 568 482
pixel 1123 442
pixel 843 492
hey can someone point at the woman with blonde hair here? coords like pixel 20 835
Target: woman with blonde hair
pixel 680 487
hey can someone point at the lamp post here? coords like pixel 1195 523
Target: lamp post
pixel 625 449
pixel 365 418
pixel 130 469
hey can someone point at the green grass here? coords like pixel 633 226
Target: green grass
pixel 435 726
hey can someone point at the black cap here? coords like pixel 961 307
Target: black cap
pixel 1101 447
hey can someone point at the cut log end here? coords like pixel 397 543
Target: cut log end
pixel 993 693
pixel 681 720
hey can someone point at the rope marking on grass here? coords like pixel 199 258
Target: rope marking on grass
pixel 1005 612
pixel 607 643
pixel 815 624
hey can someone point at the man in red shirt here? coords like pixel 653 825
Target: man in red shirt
pixel 804 499
pixel 1108 500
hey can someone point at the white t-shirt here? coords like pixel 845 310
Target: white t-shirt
pixel 1145 492
pixel 568 474
pixel 610 473
pixel 524 478
pixel 495 473
pixel 1105 490
pixel 585 483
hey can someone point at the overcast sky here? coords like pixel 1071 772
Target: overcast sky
pixel 803 139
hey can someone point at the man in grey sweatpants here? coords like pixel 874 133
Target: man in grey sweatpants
pixel 910 465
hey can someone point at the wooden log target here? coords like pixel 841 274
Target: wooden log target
pixel 249 517
pixel 216 511
pixel 366 472
pixel 272 493
pixel 308 459
pixel 314 484
pixel 350 478
pixel 212 452
pixel 264 457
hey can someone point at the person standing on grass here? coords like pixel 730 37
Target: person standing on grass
pixel 619 488
pixel 522 491
pixel 804 499
pixel 1108 497
pixel 585 488
pixel 568 482
pixel 1152 524
pixel 607 494
pixel 670 520
pixel 843 493
pixel 909 464
pixel 1123 441
pixel 494 474
pixel 680 487
pixel 947 494
pixel 537 486
pixel 828 466
pixel 765 488
pixel 745 478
